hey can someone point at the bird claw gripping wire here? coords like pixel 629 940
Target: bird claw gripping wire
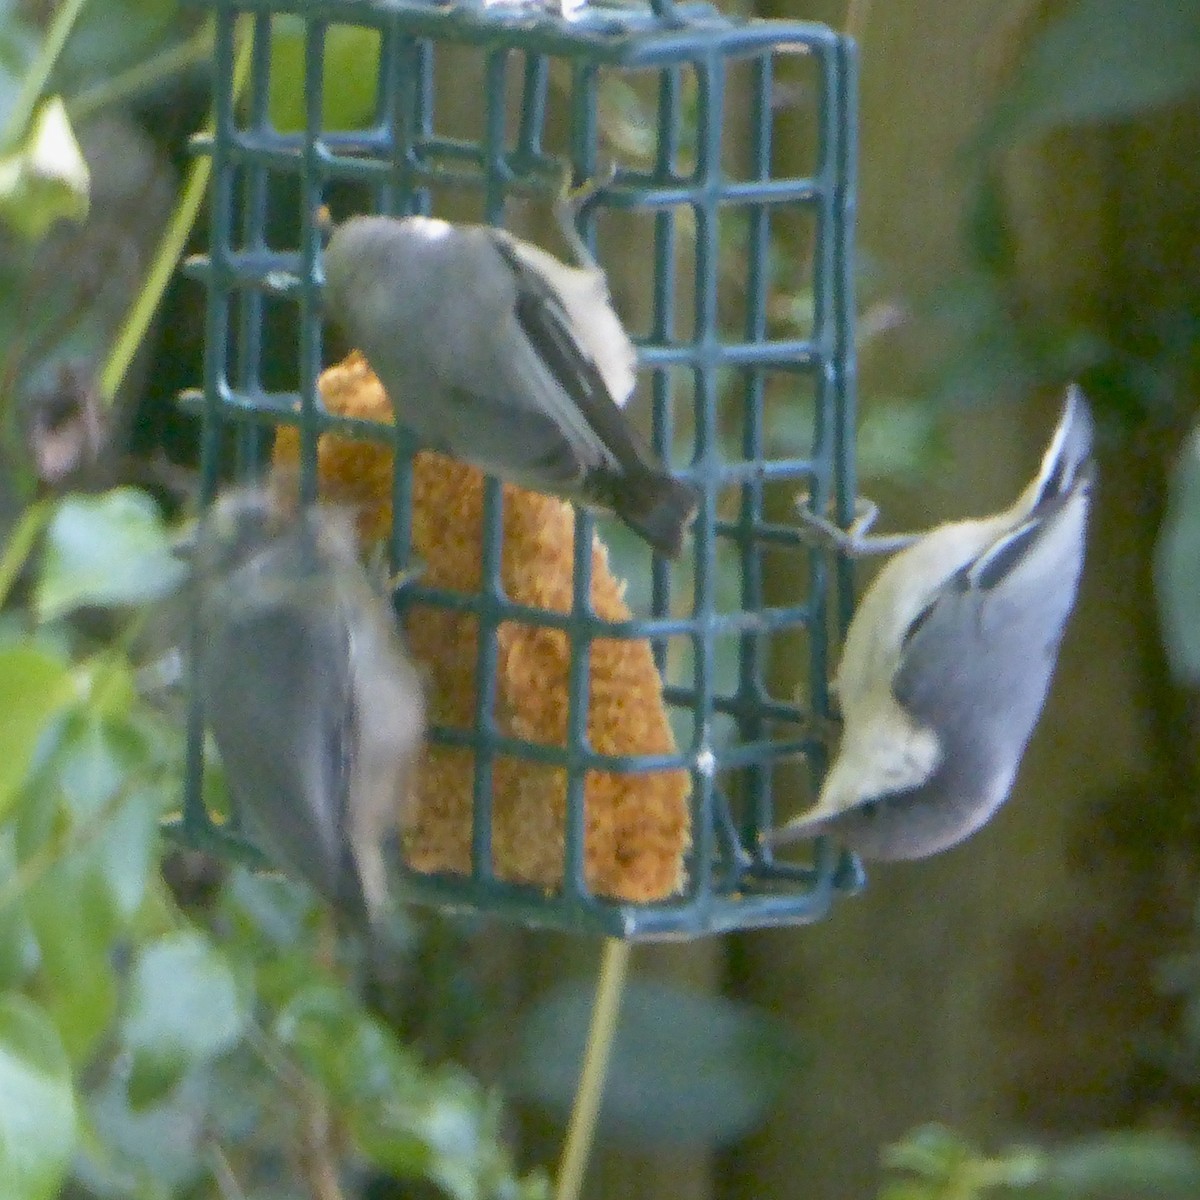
pixel 572 200
pixel 855 541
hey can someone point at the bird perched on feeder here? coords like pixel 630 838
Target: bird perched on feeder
pixel 315 707
pixel 497 353
pixel 948 660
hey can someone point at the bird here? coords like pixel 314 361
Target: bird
pixel 948 660
pixel 315 707
pixel 495 352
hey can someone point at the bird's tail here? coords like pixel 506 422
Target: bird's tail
pixel 1068 458
pixel 657 508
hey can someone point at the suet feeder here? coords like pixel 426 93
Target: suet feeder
pixel 601 759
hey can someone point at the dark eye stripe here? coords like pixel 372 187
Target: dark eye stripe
pixel 919 620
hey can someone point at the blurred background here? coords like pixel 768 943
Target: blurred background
pixel 1021 1013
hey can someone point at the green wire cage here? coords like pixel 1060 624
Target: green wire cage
pixel 728 100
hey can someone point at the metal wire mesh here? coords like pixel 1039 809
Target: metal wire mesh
pixel 539 72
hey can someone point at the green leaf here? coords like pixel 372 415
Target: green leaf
pixel 109 685
pixel 989 232
pixel 111 549
pixel 112 37
pixel 274 910
pixel 70 913
pixel 81 1003
pixel 1102 60
pixel 626 120
pixel 35 686
pixel 87 836
pixel 18 45
pixel 900 440
pixel 151 1151
pixel 1152 1166
pixel 1177 567
pixel 910 1190
pixel 686 1068
pixel 184 1008
pixel 931 1151
pixel 351 71
pixel 412 1122
pixel 991 355
pixel 37 1103
pixel 270 923
pixel 18 947
pixel 323 1027
pixel 99 796
pixel 946 1165
pixel 44 178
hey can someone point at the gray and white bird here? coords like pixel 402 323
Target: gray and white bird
pixel 948 660
pixel 497 353
pixel 316 709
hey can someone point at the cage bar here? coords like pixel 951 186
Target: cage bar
pixel 400 162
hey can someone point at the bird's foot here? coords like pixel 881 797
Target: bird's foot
pixel 572 200
pixel 389 582
pixel 855 541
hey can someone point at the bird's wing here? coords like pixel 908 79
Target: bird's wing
pixel 984 646
pixel 388 719
pixel 584 409
pixel 522 444
pixel 278 700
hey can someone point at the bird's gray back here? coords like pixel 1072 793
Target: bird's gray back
pixel 977 669
pixel 435 317
pixel 276 688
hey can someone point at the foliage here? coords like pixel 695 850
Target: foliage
pixel 1100 60
pixel 142 1050
pixel 148 1048
pixel 1095 61
pixel 210 1038
pixel 1177 566
pixel 44 177
pixel 934 1164
pixel 104 550
pixel 350 76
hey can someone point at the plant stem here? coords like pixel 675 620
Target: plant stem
pixel 21 541
pixel 143 75
pixel 170 247
pixel 39 71
pixel 582 1127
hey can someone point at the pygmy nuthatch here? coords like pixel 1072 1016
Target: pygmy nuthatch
pixel 315 707
pixel 496 353
pixel 948 660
